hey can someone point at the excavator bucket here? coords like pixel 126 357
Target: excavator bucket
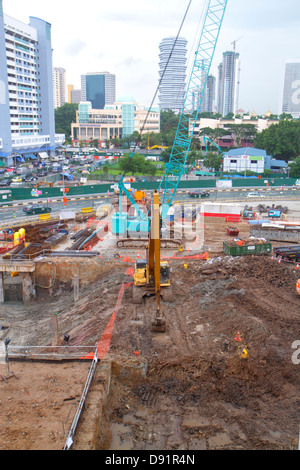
pixel 158 323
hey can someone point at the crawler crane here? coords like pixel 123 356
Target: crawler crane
pixel 152 269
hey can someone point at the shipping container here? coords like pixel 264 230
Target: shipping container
pixel 247 249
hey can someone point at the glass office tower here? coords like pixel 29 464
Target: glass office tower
pixel 99 89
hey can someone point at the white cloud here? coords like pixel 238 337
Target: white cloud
pixel 75 47
pixel 123 38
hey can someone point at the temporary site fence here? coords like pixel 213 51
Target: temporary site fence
pixel 92 189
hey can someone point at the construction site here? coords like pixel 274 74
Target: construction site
pixel 152 324
pixel 223 363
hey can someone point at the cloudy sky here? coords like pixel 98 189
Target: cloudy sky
pixel 122 37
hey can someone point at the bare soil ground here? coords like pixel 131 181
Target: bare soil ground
pixel 198 392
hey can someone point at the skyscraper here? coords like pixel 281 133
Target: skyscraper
pixel 209 96
pixel 228 87
pixel 172 73
pixel 291 88
pixel 98 88
pixel 26 87
pixel 59 87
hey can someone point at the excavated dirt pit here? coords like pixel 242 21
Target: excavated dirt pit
pixel 198 392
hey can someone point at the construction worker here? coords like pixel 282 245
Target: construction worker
pixel 243 352
pixel 298 286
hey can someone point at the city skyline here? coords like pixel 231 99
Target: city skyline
pixel 124 39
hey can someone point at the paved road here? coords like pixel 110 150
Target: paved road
pixel 16 213
pixel 242 194
pixel 288 197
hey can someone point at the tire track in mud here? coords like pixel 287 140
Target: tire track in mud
pixel 179 331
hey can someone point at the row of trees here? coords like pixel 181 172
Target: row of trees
pixel 281 140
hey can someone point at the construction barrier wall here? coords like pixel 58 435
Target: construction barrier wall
pixel 25 193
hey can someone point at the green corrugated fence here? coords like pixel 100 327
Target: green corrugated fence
pixel 26 193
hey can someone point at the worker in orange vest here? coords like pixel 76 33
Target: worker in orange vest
pixel 298 286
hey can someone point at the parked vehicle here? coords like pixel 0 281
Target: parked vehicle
pixel 56 168
pixel 36 209
pixel 30 179
pixel 5 182
pixel 22 170
pixel 42 173
pixel 17 179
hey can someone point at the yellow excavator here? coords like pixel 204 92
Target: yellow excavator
pixel 44 183
pixel 152 275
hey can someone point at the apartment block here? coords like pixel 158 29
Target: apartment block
pixel 59 87
pixel 27 123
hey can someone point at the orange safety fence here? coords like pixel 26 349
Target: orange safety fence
pixel 130 272
pixel 203 256
pixel 104 343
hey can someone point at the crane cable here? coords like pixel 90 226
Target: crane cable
pixel 159 83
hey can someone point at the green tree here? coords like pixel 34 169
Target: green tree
pixel 193 156
pixel 150 139
pixel 168 120
pixel 165 154
pixel 295 168
pixel 64 116
pixel 116 142
pixel 213 160
pixel 105 169
pixel 213 134
pixel 241 131
pixel 281 140
pixel 229 116
pixel 136 164
pixel 210 115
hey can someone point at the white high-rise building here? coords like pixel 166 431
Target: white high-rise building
pixel 27 124
pixel 229 81
pixel 172 73
pixel 59 87
pixel 291 88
